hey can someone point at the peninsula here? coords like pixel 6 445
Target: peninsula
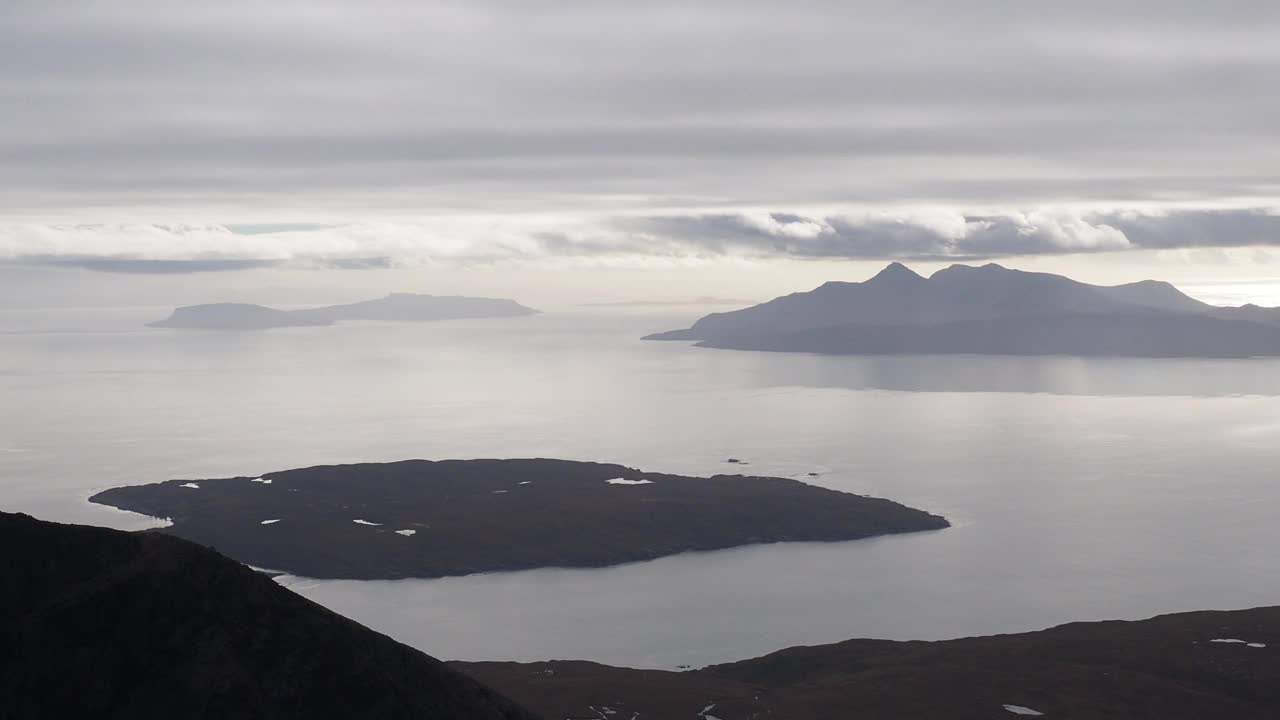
pixel 425 519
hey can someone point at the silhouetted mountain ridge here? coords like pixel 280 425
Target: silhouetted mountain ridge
pixel 990 309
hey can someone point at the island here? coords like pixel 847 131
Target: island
pixel 990 310
pixel 430 519
pixel 98 623
pixel 1186 666
pixel 396 307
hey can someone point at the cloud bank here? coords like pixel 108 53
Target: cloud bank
pixel 863 235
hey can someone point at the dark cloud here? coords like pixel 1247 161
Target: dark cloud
pixel 1218 228
pixel 972 238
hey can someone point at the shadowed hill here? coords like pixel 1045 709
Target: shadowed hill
pixel 97 623
pixel 1173 667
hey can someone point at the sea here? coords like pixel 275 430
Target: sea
pixel 1078 489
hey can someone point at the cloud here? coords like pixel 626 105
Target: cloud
pixel 1235 227
pixel 935 234
pixel 924 236
pixel 499 106
pixel 143 266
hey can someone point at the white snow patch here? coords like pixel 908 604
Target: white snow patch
pixel 365 522
pixel 406 533
pixel 1021 710
pixel 1241 642
pixel 193 486
pixel 524 482
pixel 269 522
pixel 498 492
pixel 264 481
pixel 624 481
pixel 705 710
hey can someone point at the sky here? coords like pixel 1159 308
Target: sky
pixel 566 150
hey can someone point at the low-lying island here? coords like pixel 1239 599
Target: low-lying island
pixel 428 519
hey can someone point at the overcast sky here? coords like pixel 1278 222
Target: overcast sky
pixel 555 135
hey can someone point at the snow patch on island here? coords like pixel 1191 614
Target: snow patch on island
pixel 193 486
pixel 269 522
pixel 365 522
pixel 264 481
pixel 406 533
pixel 624 481
pixel 1246 643
pixel 1022 710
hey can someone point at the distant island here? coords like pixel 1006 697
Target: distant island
pixel 98 623
pixel 396 307
pixel 425 519
pixel 991 310
pixel 1187 666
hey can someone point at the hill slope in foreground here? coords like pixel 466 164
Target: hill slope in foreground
pixel 97 623
pixel 1189 666
pixel 425 519
pixel 990 310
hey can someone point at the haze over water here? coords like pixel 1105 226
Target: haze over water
pixel 1080 489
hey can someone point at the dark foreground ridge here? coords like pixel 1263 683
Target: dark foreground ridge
pixel 427 519
pixel 1173 667
pixel 396 307
pixel 991 310
pixel 96 623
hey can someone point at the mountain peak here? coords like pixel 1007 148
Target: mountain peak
pixel 896 271
pixel 960 269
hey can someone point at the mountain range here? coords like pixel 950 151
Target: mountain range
pixel 990 310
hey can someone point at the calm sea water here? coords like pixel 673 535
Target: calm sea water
pixel 1080 489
